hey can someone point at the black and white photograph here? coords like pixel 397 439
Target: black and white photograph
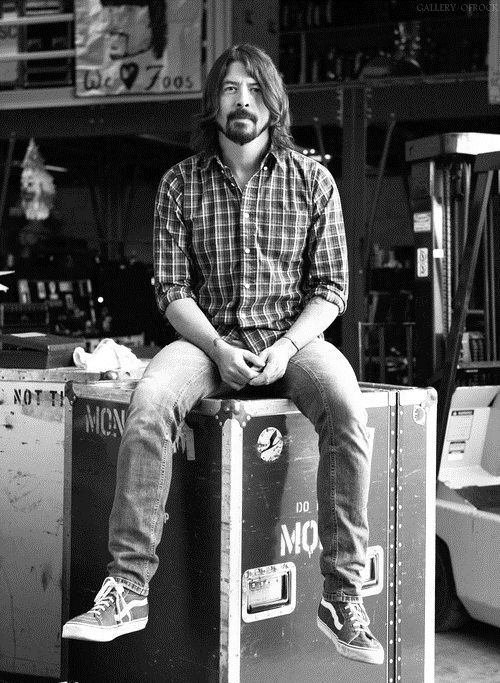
pixel 249 341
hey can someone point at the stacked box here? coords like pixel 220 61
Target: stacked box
pixel 238 586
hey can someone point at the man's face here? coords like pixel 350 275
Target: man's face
pixel 242 116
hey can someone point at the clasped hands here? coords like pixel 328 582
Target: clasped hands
pixel 239 367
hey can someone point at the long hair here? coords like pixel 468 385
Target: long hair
pixel 260 67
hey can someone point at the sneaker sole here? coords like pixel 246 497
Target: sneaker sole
pixel 349 652
pixel 101 634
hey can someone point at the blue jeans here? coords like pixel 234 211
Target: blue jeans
pixel 322 384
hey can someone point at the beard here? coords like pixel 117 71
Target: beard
pixel 238 130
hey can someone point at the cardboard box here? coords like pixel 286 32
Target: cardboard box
pixel 471 451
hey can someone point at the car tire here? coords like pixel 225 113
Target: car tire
pixel 450 612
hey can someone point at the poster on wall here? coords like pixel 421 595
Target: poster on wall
pixel 126 47
pixel 494 56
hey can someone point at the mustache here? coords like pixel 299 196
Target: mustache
pixel 241 114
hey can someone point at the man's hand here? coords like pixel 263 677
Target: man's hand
pixel 237 367
pixel 276 359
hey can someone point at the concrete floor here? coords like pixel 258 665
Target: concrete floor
pixel 468 655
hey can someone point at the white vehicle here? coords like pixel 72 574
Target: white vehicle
pixel 468 511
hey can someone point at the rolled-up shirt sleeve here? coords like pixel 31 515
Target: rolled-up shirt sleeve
pixel 171 244
pixel 327 249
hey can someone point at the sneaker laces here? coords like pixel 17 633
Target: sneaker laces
pixel 358 616
pixel 111 591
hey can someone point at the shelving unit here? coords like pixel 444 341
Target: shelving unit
pixel 386 337
pixel 386 352
pixel 326 41
pixel 37 47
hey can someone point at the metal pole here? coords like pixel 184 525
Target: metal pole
pixel 320 139
pixel 376 194
pixel 409 351
pixel 353 191
pixel 381 352
pixel 361 350
pixel 462 298
pixel 5 185
pixel 492 308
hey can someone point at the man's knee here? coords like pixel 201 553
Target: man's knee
pixel 153 393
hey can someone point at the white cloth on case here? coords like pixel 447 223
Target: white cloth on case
pixel 108 355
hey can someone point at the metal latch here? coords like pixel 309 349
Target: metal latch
pixel 269 591
pixel 373 574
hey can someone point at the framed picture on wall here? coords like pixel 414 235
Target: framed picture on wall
pixel 150 47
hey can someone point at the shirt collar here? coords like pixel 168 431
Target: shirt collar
pixel 279 155
pixel 275 153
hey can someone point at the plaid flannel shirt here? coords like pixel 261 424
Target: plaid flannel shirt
pixel 252 259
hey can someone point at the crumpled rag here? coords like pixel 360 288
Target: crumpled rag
pixel 108 355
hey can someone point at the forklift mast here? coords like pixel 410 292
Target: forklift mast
pixel 454 201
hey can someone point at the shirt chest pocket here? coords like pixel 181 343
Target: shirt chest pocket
pixel 283 237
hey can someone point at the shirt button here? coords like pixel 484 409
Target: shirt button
pixel 247 216
pixel 265 168
pixel 246 285
pixel 247 250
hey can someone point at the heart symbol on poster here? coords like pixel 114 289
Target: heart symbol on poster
pixel 128 73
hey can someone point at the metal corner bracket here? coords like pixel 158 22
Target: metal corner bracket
pixel 231 408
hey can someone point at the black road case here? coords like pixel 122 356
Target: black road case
pixel 238 586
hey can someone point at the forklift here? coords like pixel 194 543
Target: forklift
pixel 455 204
